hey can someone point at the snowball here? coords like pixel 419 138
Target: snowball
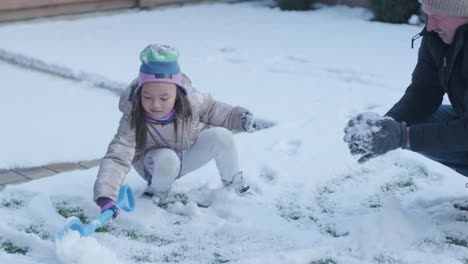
pixel 73 249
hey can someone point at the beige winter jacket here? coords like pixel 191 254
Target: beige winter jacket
pixel 120 156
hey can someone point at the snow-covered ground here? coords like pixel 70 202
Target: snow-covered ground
pixel 307 71
pixel 48 119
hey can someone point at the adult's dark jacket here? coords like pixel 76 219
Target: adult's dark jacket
pixel 441 69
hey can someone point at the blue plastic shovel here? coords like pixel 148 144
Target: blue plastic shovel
pixel 86 230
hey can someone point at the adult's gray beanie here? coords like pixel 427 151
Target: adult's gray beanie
pixel 457 8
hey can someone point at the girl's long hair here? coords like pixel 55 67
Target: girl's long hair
pixel 183 111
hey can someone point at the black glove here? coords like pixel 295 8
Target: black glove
pixel 370 135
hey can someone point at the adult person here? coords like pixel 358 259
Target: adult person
pixel 419 121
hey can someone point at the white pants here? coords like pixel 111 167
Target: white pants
pixel 213 143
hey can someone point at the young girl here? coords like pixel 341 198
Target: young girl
pixel 169 129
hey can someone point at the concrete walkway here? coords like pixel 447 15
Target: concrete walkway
pixel 20 175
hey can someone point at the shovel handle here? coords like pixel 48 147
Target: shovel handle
pixel 126 192
pixel 125 195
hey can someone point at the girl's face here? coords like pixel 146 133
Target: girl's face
pixel 158 99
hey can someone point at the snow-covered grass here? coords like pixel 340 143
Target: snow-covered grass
pixel 313 204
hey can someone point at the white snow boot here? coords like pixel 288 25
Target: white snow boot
pixel 158 197
pixel 237 184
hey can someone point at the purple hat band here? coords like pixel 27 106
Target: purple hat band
pixel 145 78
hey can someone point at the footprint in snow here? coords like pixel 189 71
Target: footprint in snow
pixel 289 147
pixel 232 55
pixel 268 174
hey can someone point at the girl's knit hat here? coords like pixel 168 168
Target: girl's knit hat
pixel 457 8
pixel 159 64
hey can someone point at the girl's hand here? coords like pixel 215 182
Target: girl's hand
pixel 107 203
pixel 247 122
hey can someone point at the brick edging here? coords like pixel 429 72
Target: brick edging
pixel 20 175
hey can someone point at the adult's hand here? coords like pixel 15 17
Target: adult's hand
pixel 369 135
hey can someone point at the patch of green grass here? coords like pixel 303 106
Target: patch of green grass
pixel 66 210
pixel 324 261
pixel 106 228
pixel 176 256
pixel 37 230
pixel 327 211
pixel 173 257
pixel 430 242
pixel 324 203
pixel 456 241
pixel 294 212
pixel 11 248
pixel 327 189
pixel 461 218
pixel 313 219
pixel 144 257
pixel 331 230
pixel 150 238
pixel 181 197
pixel 132 234
pixel 407 184
pixel 374 203
pixel 384 259
pixel 218 259
pixel 289 211
pixel 12 203
pixel 154 239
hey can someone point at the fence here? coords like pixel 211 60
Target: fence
pixel 25 9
